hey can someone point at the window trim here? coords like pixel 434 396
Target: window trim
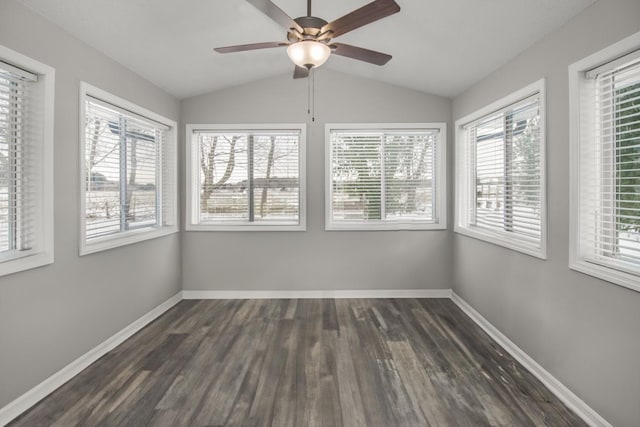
pixel 45 256
pixel 440 176
pixel 136 235
pixel 225 225
pixel 577 72
pixel 462 174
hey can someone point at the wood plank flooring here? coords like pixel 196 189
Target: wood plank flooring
pixel 382 362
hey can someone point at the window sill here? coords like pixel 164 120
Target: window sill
pixel 498 240
pixel 231 226
pixel 621 278
pixel 26 262
pixel 135 236
pixel 384 226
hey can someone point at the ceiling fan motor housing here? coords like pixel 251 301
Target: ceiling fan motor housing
pixel 311 26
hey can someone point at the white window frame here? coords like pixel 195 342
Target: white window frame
pixel 440 223
pixel 43 254
pixel 577 73
pixel 193 171
pixel 132 236
pixel 463 175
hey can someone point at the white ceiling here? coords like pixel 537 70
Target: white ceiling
pixel 438 46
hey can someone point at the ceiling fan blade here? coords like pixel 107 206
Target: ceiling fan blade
pixel 365 15
pixel 275 13
pixel 252 46
pixel 300 73
pixel 359 53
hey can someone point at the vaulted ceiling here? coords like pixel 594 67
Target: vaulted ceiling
pixel 438 46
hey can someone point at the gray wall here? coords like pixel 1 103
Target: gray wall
pixel 51 315
pixel 583 330
pixel 315 259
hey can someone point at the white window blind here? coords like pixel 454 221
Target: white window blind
pixel 128 172
pixel 609 181
pixel 20 162
pixel 246 177
pixel 500 172
pixel 505 157
pixel 384 177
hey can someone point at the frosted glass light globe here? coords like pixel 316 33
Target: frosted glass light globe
pixel 308 53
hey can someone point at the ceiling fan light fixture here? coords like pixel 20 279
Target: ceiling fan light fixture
pixel 308 53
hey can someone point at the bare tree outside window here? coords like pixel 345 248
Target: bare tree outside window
pixel 251 177
pixel 122 155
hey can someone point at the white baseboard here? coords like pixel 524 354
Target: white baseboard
pixel 572 401
pixel 33 396
pixel 336 294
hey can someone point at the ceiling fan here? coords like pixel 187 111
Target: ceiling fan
pixel 310 38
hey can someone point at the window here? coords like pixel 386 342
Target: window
pixel 246 177
pixel 26 162
pixel 605 168
pixel 385 176
pixel 500 172
pixel 127 171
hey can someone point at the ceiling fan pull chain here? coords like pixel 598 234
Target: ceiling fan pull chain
pixel 313 94
pixel 309 94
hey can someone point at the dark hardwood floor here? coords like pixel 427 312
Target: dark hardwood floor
pixel 384 362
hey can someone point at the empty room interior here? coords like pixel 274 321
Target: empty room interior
pixel 320 213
